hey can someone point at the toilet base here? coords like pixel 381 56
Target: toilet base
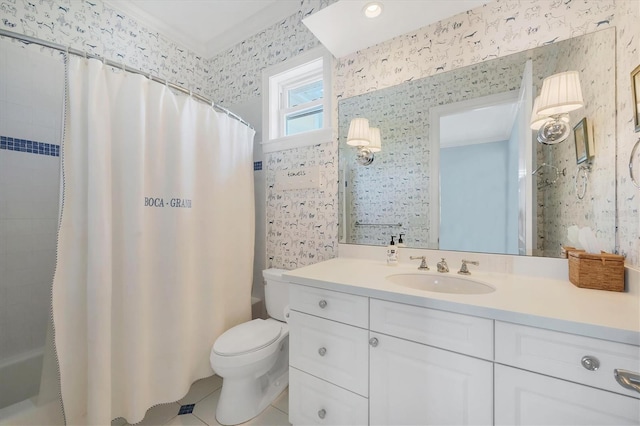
pixel 243 399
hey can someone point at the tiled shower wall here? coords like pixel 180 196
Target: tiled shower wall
pixel 233 77
pixel 31 89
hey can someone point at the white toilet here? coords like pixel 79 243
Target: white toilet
pixel 253 357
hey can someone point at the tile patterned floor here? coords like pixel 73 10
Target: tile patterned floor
pixel 204 395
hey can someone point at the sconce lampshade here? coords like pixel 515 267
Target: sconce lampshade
pixel 375 142
pixel 537 120
pixel 359 133
pixel 560 94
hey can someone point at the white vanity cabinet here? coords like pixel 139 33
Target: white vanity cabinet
pixel 394 355
pixel 546 377
pixel 398 364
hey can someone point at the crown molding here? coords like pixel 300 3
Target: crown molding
pixel 251 26
pixel 255 23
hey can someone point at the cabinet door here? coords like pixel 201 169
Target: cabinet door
pixel 525 398
pixel 414 384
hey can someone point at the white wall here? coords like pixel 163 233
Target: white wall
pixel 31 93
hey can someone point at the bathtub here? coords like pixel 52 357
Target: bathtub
pixel 20 377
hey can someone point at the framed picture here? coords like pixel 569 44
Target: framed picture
pixel 584 146
pixel 635 92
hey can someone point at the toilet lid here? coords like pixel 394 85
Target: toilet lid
pixel 247 337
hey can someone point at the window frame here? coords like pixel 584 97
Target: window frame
pixel 277 80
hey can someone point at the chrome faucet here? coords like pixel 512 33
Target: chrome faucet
pixel 423 265
pixel 463 268
pixel 442 266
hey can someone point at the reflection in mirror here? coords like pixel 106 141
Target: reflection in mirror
pixel 456 171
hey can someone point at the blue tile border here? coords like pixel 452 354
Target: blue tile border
pixel 32 147
pixel 257 165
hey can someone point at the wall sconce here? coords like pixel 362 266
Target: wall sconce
pixel 366 139
pixel 537 121
pixel 560 94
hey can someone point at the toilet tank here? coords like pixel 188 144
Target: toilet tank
pixel 276 293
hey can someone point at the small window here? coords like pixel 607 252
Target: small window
pixel 302 110
pixel 296 104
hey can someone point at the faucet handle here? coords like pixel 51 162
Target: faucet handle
pixel 442 266
pixel 463 268
pixel 423 265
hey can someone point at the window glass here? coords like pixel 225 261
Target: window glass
pixel 307 93
pixel 304 121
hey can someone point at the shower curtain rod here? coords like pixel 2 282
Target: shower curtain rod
pixel 32 40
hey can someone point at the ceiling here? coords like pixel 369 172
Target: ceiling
pixel 208 27
pixel 478 125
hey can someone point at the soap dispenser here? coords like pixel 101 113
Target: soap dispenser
pixel 401 244
pixel 392 253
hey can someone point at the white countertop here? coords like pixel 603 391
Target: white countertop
pixel 540 302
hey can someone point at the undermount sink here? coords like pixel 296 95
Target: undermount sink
pixel 441 283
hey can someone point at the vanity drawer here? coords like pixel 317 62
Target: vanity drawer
pixel 333 305
pixel 560 355
pixel 332 351
pixel 526 398
pixel 456 332
pixel 315 402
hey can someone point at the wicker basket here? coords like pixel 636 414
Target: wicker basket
pixel 598 271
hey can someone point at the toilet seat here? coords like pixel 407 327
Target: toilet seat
pixel 247 337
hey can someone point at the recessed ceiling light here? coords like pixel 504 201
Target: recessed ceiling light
pixel 372 10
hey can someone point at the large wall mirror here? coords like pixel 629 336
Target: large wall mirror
pixel 460 168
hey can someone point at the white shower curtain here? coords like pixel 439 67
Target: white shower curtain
pixel 155 248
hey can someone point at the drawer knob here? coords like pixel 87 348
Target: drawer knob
pixel 322 304
pixel 322 413
pixel 373 342
pixel 322 351
pixel 591 363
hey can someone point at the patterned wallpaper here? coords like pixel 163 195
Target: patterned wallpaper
pixel 95 27
pixel 560 203
pixel 238 71
pixel 395 188
pixel 627 195
pixel 497 29
pixel 302 225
